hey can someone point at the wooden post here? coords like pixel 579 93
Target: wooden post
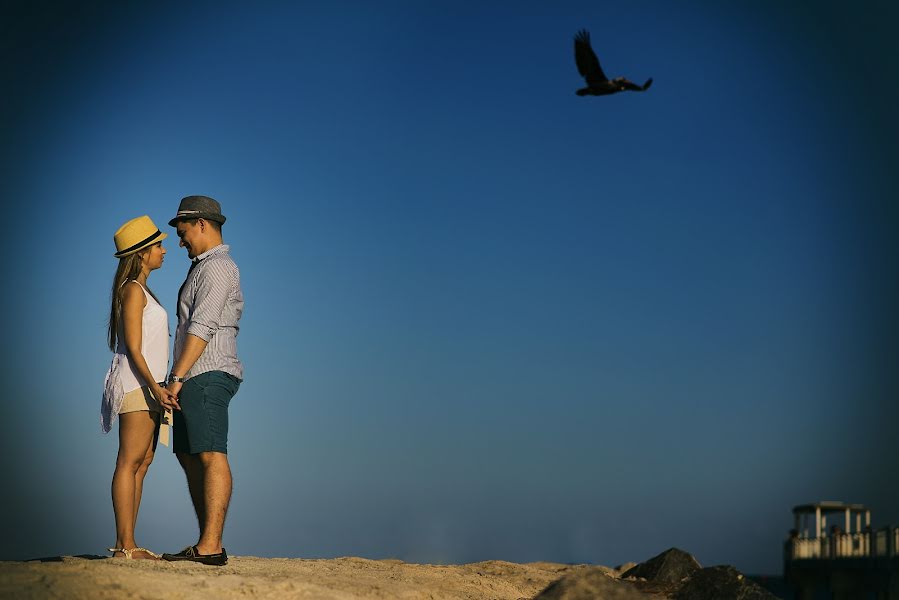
pixel 847 528
pixel 818 522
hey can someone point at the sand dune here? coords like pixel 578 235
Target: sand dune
pixel 249 577
pixel 671 574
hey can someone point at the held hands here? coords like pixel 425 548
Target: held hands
pixel 168 396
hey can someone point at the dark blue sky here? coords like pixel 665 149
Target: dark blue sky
pixel 485 318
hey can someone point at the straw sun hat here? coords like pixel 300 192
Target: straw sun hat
pixel 136 235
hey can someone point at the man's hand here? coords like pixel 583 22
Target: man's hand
pixel 168 396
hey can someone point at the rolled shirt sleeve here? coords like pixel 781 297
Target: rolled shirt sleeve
pixel 210 304
pixel 213 291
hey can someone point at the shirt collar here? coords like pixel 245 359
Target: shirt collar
pixel 220 249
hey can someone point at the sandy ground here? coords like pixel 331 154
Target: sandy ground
pixel 250 577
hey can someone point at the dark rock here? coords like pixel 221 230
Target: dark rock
pixel 670 567
pixel 715 583
pixel 590 584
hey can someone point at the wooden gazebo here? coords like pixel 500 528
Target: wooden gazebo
pixel 819 511
pixel 832 548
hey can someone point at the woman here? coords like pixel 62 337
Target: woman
pixel 139 337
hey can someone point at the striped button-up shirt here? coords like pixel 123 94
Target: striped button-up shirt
pixel 210 303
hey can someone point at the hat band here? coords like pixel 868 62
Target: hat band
pixel 141 243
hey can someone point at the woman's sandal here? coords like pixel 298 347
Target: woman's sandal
pixel 127 552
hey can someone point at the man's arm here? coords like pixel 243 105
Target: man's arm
pixel 213 288
pixel 190 353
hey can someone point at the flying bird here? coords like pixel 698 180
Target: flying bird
pixel 597 82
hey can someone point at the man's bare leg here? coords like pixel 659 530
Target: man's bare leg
pixel 193 469
pixel 217 488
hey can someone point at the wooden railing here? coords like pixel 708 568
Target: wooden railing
pixel 880 543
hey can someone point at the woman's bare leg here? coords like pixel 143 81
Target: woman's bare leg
pixel 135 439
pixel 144 466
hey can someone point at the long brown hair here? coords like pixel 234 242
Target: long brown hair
pixel 128 269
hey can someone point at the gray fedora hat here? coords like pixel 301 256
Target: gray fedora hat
pixel 198 207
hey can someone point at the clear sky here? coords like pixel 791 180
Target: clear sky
pixel 485 318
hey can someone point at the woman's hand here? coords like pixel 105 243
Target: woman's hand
pixel 167 398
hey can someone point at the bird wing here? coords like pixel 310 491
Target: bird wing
pixel 587 63
pixel 630 85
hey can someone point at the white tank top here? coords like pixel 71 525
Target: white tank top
pixel 154 345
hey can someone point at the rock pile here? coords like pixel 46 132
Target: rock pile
pixel 673 574
pixel 589 585
pixel 714 583
pixel 671 566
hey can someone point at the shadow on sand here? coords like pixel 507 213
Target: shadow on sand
pixel 60 558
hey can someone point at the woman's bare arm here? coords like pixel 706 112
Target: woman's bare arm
pixel 133 302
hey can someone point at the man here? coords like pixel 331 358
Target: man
pixel 206 372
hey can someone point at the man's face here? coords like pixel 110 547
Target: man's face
pixel 189 235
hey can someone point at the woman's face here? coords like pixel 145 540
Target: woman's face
pixel 154 256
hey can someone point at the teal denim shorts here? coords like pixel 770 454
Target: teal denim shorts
pixel 202 423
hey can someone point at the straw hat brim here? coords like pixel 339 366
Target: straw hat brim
pixel 156 237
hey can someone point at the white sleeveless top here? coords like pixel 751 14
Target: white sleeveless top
pixel 154 346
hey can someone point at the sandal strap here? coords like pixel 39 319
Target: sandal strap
pixel 150 552
pixel 128 551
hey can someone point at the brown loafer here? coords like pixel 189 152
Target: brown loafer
pixel 192 554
